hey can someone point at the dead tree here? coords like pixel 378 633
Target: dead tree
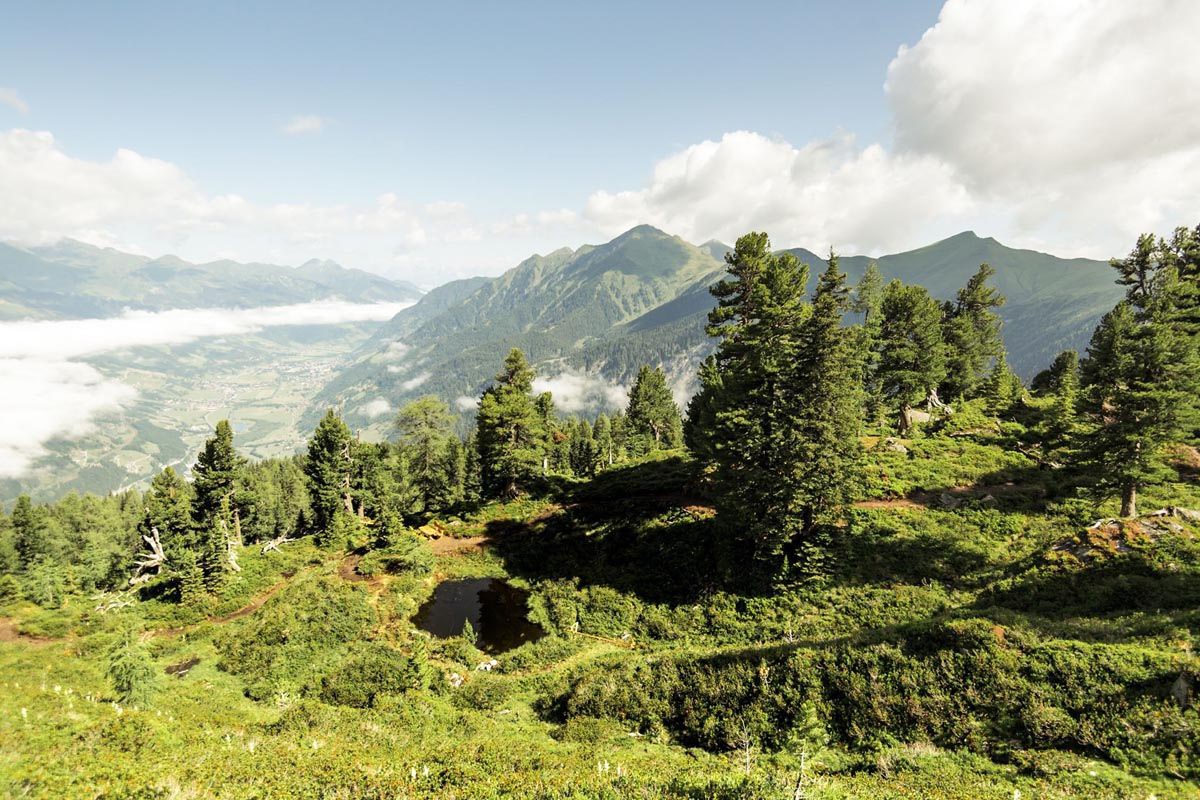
pixel 153 560
pixel 275 543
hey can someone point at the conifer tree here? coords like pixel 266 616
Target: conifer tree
pixel 1064 382
pixel 424 430
pixel 912 361
pixel 972 334
pixel 30 531
pixel 652 414
pixel 510 430
pixel 602 434
pixel 1143 370
pixel 328 468
pixel 825 388
pixel 584 454
pixel 214 502
pixel 131 670
pixel 868 302
pixel 191 579
pixel 1002 387
pixel 169 511
pixel 740 420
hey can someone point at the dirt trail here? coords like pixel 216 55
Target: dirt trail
pixel 448 545
pixel 254 605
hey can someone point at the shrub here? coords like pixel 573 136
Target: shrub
pixel 374 670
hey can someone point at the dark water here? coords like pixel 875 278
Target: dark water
pixel 495 609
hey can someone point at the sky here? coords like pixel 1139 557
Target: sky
pixel 439 140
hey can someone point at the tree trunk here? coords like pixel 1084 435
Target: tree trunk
pixel 1129 499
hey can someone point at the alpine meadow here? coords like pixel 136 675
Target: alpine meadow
pixel 676 507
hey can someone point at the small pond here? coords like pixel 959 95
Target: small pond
pixel 495 609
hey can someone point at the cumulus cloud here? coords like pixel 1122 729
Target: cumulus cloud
pixel 304 123
pixel 375 408
pixel 10 98
pixel 577 391
pixel 1057 123
pixel 63 398
pixel 830 191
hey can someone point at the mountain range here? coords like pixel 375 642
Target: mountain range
pixel 73 280
pixel 601 311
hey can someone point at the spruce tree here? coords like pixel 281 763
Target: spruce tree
pixel 1064 382
pixel 1143 370
pixel 972 334
pixel 424 434
pixel 215 510
pixel 654 419
pixel 824 384
pixel 328 468
pixel 739 422
pixel 868 303
pixel 169 511
pixel 132 672
pixel 30 531
pixel 602 434
pixel 510 430
pixel 912 361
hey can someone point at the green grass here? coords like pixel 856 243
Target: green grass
pixel 949 653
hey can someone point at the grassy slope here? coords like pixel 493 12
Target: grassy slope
pixel 978 586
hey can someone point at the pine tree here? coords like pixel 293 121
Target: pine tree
pixel 510 430
pixel 602 434
pixel 30 531
pixel 654 419
pixel 912 361
pixel 424 429
pixel 739 422
pixel 191 579
pixel 584 454
pixel 824 385
pixel 1002 387
pixel 868 302
pixel 972 334
pixel 131 670
pixel 169 511
pixel 1064 383
pixel 1142 372
pixel 328 468
pixel 215 481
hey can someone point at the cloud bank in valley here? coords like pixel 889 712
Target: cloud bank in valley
pixel 62 397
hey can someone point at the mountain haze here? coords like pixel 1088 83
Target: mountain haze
pixel 72 279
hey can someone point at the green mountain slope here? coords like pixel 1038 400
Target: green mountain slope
pixel 643 298
pixel 72 279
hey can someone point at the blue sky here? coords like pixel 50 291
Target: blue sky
pixel 504 109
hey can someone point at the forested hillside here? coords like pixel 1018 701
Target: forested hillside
pixel 868 560
pixel 643 298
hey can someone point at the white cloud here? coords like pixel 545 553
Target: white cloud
pixel 57 399
pixel 304 123
pixel 826 192
pixel 62 398
pixel 10 98
pixel 464 403
pixel 395 351
pixel 577 391
pixel 415 381
pixel 1077 122
pixel 375 408
pixel 83 337
pixel 1064 124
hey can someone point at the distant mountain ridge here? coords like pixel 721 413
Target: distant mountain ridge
pixel 643 298
pixel 72 279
